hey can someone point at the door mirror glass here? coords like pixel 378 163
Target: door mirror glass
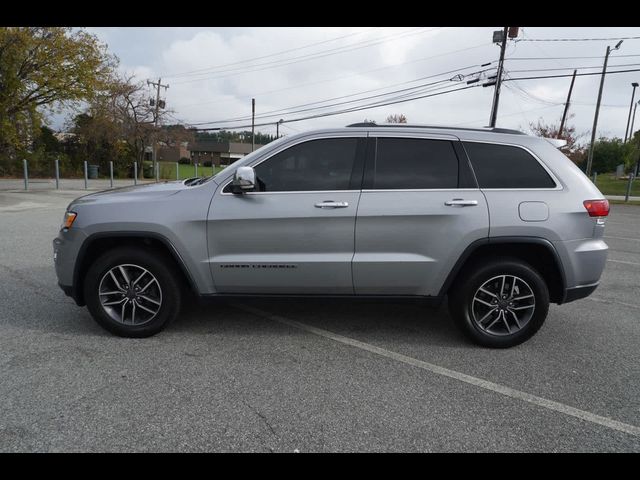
pixel 244 180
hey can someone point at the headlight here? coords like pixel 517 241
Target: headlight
pixel 69 218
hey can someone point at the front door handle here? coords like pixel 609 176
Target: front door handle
pixel 331 204
pixel 459 202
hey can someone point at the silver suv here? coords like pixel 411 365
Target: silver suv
pixel 500 222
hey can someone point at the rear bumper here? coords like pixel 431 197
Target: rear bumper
pixel 576 293
pixel 583 262
pixel 67 289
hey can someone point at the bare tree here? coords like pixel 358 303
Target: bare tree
pixel 396 118
pixel 572 149
pixel 125 111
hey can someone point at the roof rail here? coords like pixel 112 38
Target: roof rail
pixel 364 124
pixel 442 127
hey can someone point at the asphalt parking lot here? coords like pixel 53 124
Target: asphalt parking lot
pixel 305 376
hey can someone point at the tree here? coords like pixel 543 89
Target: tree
pixel 572 149
pixel 609 153
pixel 43 69
pixel 240 137
pixel 119 123
pixel 396 118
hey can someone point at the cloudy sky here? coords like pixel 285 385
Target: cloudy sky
pixel 299 72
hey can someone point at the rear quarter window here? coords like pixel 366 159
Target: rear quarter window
pixel 506 166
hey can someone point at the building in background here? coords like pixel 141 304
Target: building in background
pixel 219 153
pixel 169 153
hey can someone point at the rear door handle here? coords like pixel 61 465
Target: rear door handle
pixel 459 202
pixel 331 204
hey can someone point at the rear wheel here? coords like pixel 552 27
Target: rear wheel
pixel 131 292
pixel 501 303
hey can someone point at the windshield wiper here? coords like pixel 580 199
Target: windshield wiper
pixel 195 181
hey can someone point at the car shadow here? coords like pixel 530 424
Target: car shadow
pixel 388 319
pixel 402 320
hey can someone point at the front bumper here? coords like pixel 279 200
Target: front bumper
pixel 66 247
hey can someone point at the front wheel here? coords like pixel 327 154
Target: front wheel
pixel 131 292
pixel 501 303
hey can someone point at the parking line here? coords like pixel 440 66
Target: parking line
pixel 622 261
pixel 462 377
pixel 623 238
pixel 605 300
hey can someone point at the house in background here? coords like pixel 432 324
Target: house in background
pixel 168 153
pixel 219 153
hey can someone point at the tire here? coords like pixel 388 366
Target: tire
pixel 162 294
pixel 498 322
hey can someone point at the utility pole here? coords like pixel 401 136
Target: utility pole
pixel 155 117
pixel 595 117
pixel 496 93
pixel 253 118
pixel 633 94
pixel 278 128
pixel 566 105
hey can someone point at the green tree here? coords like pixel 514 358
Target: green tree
pixel 240 137
pixel 609 153
pixel 44 69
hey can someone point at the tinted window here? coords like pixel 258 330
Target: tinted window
pixel 503 166
pixel 314 165
pixel 414 163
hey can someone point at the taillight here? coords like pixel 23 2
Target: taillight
pixel 597 208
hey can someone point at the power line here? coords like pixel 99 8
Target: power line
pixel 421 59
pixel 287 110
pixel 574 39
pixel 378 104
pixel 567 58
pixel 574 68
pixel 293 60
pixel 507 115
pixel 419 88
pixel 570 75
pixel 516 89
pixel 349 110
pixel 270 55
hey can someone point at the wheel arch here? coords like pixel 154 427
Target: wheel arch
pixel 536 251
pixel 98 243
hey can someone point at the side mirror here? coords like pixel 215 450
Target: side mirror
pixel 244 179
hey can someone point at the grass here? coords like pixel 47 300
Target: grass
pixel 168 171
pixel 622 202
pixel 609 185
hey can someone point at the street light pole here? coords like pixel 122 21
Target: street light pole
pixel 633 94
pixel 595 117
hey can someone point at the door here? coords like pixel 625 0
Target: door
pixel 419 209
pixel 295 233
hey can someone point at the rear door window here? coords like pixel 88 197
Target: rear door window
pixel 411 163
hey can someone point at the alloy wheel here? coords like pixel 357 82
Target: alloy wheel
pixel 130 294
pixel 503 305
